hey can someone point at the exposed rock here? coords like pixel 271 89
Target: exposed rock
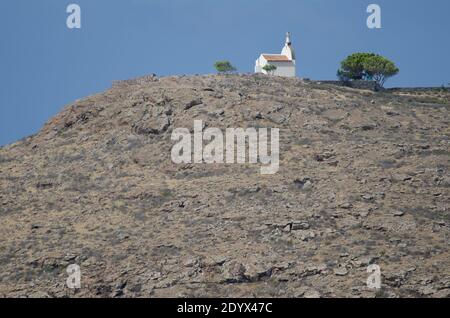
pixel 340 271
pixel 304 235
pixel 300 225
pixel 398 213
pixel 311 294
pixel 304 183
pixel 152 125
pixel 234 272
pixel 346 206
pixel 192 103
pixel 96 187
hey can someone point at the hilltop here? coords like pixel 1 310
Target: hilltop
pixel 363 179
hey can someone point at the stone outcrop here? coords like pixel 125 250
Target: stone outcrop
pixel 363 179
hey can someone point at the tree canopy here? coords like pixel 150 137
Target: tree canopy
pixel 367 66
pixel 270 68
pixel 224 67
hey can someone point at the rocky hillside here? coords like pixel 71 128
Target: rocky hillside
pixel 363 179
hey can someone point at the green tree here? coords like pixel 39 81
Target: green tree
pixel 379 69
pixel 270 68
pixel 367 66
pixel 224 67
pixel 353 66
pixel 343 76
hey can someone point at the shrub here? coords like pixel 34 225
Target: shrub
pixel 224 67
pixel 270 68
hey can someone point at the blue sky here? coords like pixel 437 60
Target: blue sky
pixel 44 65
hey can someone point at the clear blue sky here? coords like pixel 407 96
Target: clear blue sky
pixel 45 66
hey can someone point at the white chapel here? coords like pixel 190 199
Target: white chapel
pixel 285 62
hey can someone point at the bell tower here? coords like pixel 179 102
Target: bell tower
pixel 288 50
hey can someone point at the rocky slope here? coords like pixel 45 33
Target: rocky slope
pixel 364 179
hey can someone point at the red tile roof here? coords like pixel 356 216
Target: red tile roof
pixel 276 58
